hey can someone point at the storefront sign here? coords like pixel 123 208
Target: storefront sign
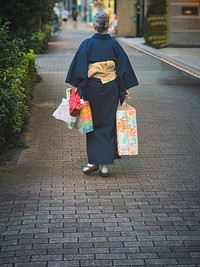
pixel 190 10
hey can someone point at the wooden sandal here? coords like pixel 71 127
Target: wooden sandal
pixel 90 168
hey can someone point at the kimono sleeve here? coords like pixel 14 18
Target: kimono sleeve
pixel 125 72
pixel 77 73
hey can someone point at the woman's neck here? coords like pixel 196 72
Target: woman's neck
pixel 103 32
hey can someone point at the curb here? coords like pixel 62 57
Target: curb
pixel 167 60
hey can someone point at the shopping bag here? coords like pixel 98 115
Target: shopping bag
pixel 75 104
pixel 127 138
pixel 85 124
pixel 62 113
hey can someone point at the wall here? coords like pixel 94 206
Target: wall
pixel 184 30
pixel 126 13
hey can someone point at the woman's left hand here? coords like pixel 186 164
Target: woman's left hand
pixel 127 93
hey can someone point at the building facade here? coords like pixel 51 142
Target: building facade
pixel 183 20
pixel 184 23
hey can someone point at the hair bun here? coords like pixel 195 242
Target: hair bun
pixel 101 21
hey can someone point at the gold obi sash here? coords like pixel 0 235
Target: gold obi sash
pixel 104 70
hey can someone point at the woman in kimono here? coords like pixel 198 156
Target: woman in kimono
pixel 102 74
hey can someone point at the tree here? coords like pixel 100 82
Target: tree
pixel 25 17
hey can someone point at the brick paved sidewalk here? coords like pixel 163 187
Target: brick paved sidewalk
pixel 146 214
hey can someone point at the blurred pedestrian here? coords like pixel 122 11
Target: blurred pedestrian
pixel 74 17
pixel 64 18
pixel 102 74
pixel 55 23
pixel 114 24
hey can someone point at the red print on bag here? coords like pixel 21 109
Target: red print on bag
pixel 75 105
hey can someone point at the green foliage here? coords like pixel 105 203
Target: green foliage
pixel 17 78
pixel 23 25
pixel 157 7
pixel 39 40
pixel 26 17
pixel 9 49
pixel 156 24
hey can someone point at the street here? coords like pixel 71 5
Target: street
pixel 147 213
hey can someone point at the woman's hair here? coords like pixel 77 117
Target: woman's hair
pixel 101 21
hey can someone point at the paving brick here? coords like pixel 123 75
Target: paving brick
pixel 87 256
pixel 111 256
pixel 32 241
pixel 129 262
pixel 108 244
pixel 122 239
pixel 97 263
pixel 63 240
pixel 15 247
pixel 31 264
pixel 22 259
pixel 93 250
pixel 188 261
pixel 4 254
pixel 9 242
pixel 195 255
pixel 30 252
pixel 63 264
pixel 161 261
pixel 142 256
pixel 138 244
pixel 157 249
pixel 108 234
pixel 46 258
pixel 77 245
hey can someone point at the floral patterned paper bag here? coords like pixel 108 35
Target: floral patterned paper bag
pixel 127 138
pixel 85 124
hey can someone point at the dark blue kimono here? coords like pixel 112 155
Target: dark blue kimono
pixel 103 98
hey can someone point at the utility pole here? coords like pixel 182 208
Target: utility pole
pixel 115 6
pixel 140 18
pixel 85 10
pixel 67 4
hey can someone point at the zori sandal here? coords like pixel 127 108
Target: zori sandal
pixel 90 168
pixel 103 170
